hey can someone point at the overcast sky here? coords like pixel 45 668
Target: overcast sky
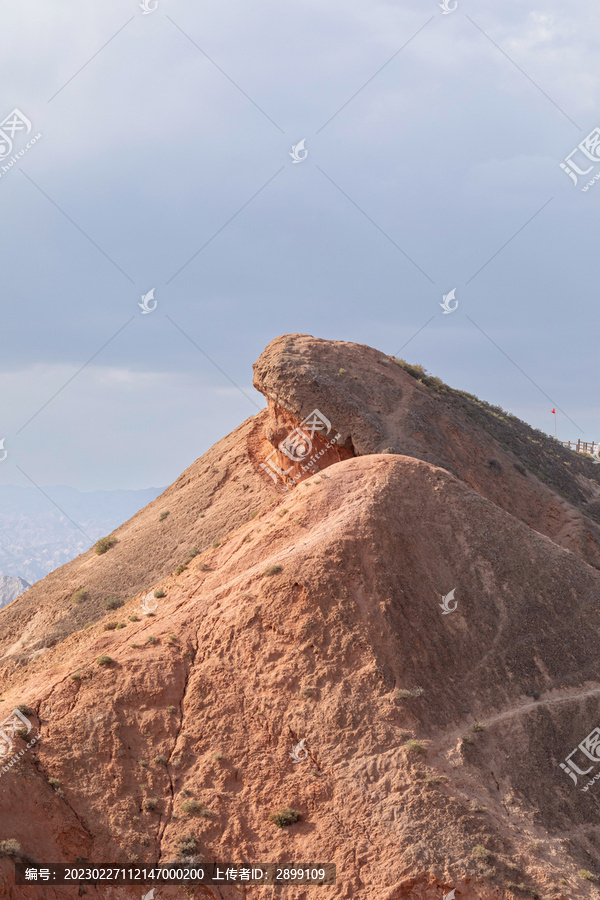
pixel 434 142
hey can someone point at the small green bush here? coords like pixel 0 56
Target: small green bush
pixel 273 570
pixel 150 804
pixel 109 626
pixel 215 544
pixel 104 660
pixel 104 544
pixel 180 568
pixel 54 783
pixel 195 807
pixel 151 640
pixel 478 726
pixel 172 709
pixel 186 845
pixel 480 852
pixel 586 875
pixel 401 694
pixel 163 516
pixel 134 618
pixel 192 553
pixel 121 625
pixel 113 603
pixel 10 847
pixel 285 817
pixel 414 746
pixel 143 763
pixel 161 759
pixel 159 594
pixel 79 596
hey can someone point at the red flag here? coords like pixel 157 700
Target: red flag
pixel 554 411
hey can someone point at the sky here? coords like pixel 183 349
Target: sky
pixel 162 160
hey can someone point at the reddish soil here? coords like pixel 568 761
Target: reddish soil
pixel 434 741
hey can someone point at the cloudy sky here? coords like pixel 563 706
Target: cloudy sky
pixel 432 150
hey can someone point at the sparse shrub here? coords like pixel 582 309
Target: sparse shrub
pixel 201 516
pixel 401 694
pixel 159 594
pixel 480 852
pixel 196 808
pixel 149 615
pixel 414 746
pixel 172 709
pixel 217 757
pixel 163 515
pixel 203 567
pixel 161 759
pixel 186 845
pixel 75 676
pixel 180 568
pixel 104 545
pixel 54 783
pixel 10 847
pixel 285 817
pixel 436 779
pixel 104 660
pixel 341 371
pixel 478 726
pixel 79 596
pixel 193 552
pixel 143 763
pixel 135 646
pixel 144 840
pixel 151 640
pixel 467 739
pixel 273 570
pixel 109 626
pixel 173 639
pixel 586 875
pixel 134 618
pixel 150 804
pixel 113 603
pixel 307 692
pixel 215 544
pixel 26 710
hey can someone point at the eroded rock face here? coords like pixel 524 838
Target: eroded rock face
pixel 433 740
pixel 377 407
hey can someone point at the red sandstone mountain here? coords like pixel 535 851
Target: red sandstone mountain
pixel 434 740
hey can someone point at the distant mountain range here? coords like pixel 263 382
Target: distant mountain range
pixel 36 537
pixel 11 588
